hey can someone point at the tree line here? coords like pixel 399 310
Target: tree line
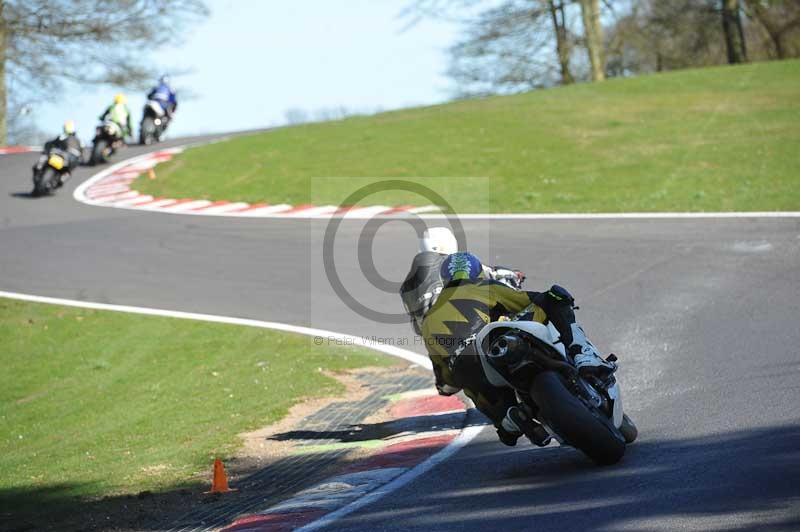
pixel 47 43
pixel 517 45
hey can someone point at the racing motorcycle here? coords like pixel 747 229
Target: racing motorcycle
pixel 154 123
pixel 107 139
pixel 48 172
pixel 584 412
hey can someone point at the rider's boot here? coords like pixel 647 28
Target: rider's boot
pixel 559 306
pixel 508 437
pixel 585 355
pixel 517 422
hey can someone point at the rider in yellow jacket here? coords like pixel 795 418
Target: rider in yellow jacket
pixel 465 305
pixel 119 113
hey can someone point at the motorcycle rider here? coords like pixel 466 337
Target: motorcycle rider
pixel 69 143
pixel 119 113
pixel 464 306
pixel 423 283
pixel 165 96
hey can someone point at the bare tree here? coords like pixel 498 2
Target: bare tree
pixel 507 49
pixel 656 35
pixel 593 33
pixel 44 43
pixel 520 44
pixel 781 20
pixel 732 28
pixel 563 44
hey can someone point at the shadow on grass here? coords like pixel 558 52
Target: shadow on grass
pixel 715 482
pixel 57 507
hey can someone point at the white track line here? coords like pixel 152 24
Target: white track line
pixel 617 215
pixel 345 339
pixel 466 435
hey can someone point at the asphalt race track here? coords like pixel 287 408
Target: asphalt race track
pixel 703 314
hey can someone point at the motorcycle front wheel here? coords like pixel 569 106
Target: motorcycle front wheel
pixel 582 427
pixel 44 181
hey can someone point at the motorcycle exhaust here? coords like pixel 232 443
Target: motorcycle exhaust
pixel 510 349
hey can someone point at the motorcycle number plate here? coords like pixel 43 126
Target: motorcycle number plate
pixel 56 161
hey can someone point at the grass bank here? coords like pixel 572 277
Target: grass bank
pixel 101 403
pixel 714 139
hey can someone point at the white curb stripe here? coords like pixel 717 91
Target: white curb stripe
pixel 120 196
pixel 134 201
pixel 222 209
pixel 155 204
pixel 100 190
pixel 271 209
pixel 313 211
pixel 366 212
pixel 189 205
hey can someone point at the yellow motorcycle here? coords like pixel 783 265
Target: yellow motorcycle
pixel 48 172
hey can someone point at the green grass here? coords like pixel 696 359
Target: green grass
pixel 713 139
pixel 102 403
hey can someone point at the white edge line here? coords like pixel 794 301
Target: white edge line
pixel 615 215
pixel 346 339
pixel 466 436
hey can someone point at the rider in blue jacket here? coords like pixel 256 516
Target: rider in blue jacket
pixel 164 94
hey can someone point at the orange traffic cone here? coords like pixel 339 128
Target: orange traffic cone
pixel 219 482
pixel 151 173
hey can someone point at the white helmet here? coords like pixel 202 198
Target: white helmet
pixel 440 240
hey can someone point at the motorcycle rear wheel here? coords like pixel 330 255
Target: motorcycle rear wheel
pixel 98 152
pixel 147 131
pixel 628 429
pixel 588 431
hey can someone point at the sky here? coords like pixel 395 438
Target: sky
pixel 252 60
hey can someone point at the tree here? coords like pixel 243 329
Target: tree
pixel 519 44
pixel 656 35
pixel 734 35
pixel 781 20
pixel 506 49
pixel 593 34
pixel 563 44
pixel 45 43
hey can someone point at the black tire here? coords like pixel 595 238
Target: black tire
pixel 628 429
pixel 590 432
pixel 50 179
pixel 44 182
pixel 147 131
pixel 98 152
pixel 37 183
